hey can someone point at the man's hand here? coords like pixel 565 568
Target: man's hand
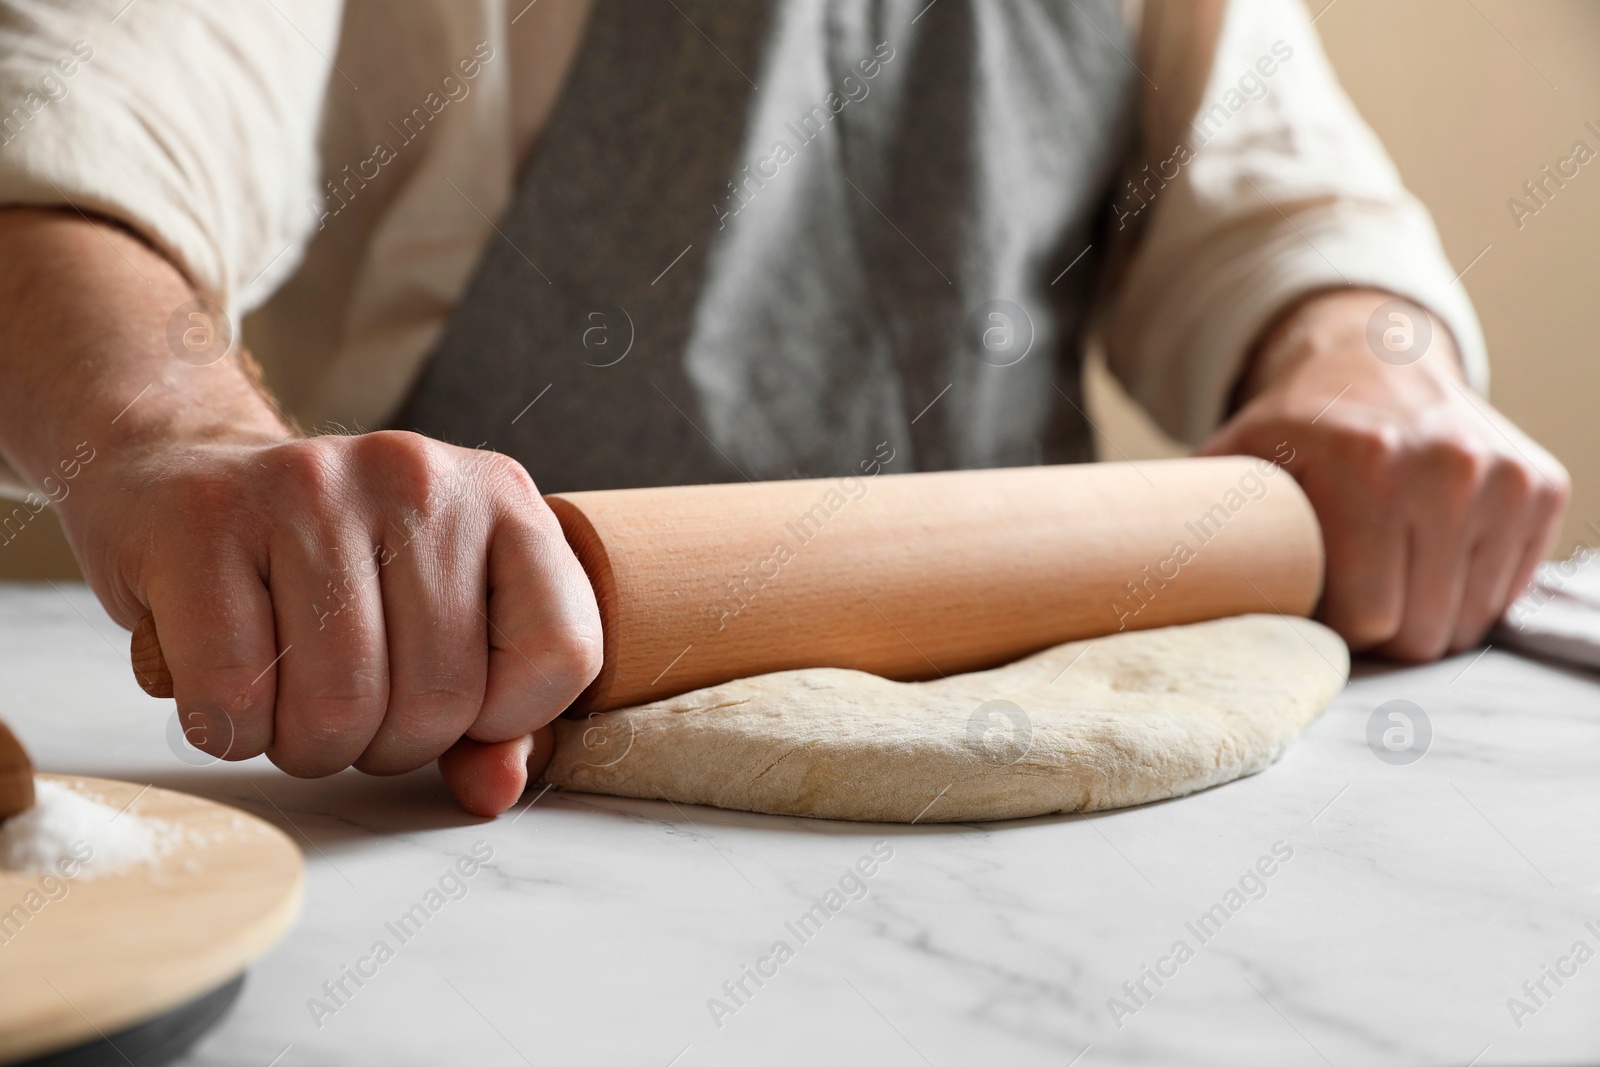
pixel 347 601
pixel 1434 508
pixel 377 601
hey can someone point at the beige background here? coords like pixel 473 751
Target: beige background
pixel 1472 98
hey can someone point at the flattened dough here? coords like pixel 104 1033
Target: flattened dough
pixel 1105 723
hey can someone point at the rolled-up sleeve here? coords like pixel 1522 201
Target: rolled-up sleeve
pixel 1259 184
pixel 192 122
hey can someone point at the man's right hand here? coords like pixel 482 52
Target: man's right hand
pixel 376 601
pixel 346 601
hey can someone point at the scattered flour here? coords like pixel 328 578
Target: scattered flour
pixel 62 821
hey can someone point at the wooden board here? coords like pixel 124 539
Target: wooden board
pixel 110 951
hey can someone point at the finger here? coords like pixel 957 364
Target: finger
pixel 487 778
pixel 544 626
pixel 1509 520
pixel 1436 578
pixel 214 617
pixel 432 578
pixel 1493 562
pixel 1551 502
pixel 1363 597
pixel 1551 488
pixel 333 677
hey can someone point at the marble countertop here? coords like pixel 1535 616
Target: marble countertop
pixel 1407 904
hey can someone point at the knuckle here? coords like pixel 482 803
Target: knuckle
pixel 429 709
pixel 1459 463
pixel 422 740
pixel 1372 450
pixel 337 713
pixel 326 734
pixel 233 704
pixel 443 685
pixel 503 474
pixel 569 656
pixel 309 470
pixel 412 466
pixel 225 692
pixel 330 718
pixel 1517 482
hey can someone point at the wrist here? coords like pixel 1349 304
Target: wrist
pixel 88 363
pixel 1369 331
pixel 132 461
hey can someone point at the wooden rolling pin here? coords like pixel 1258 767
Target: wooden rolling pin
pixel 914 576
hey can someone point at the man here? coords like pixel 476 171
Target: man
pixel 646 243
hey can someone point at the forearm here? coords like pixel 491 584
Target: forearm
pixel 423 619
pixel 85 356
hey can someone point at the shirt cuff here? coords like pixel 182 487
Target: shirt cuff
pixel 1195 350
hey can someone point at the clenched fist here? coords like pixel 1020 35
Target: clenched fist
pixel 337 601
pixel 1434 508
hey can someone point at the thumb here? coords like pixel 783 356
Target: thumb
pixel 486 778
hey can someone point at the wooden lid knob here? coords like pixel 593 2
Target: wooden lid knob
pixel 16 776
pixel 149 665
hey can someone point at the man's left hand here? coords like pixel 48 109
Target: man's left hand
pixel 1435 509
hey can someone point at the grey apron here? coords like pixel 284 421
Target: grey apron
pixel 786 240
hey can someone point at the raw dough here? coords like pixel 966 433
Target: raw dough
pixel 1106 723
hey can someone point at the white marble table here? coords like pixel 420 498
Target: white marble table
pixel 1417 900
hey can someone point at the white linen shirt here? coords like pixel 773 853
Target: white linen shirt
pixel 227 134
